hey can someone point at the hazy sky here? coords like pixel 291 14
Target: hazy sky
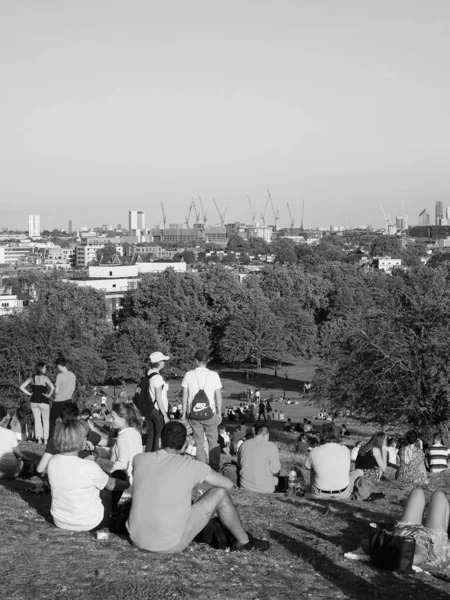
pixel 111 105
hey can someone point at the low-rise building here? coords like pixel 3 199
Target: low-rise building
pixel 386 263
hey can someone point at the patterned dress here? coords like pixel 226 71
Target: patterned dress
pixel 412 465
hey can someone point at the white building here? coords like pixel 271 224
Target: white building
pixel 386 263
pixel 34 226
pixel 136 220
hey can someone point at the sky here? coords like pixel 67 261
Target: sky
pixel 109 106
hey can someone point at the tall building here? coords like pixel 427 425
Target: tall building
pixel 70 226
pixel 34 226
pixel 136 220
pixel 439 212
pixel 400 223
pixel 424 218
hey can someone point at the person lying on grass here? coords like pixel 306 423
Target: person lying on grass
pixel 10 455
pixel 432 544
pixel 162 518
pixel 83 495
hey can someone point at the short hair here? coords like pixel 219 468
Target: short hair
pixel 69 411
pixel 129 412
pixel 86 412
pixel 69 436
pixel 329 433
pixel 261 430
pixel 3 412
pixel 411 437
pixel 61 361
pixel 249 436
pixel 437 438
pixel 173 435
pixel 154 365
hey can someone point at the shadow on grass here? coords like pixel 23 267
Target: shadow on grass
pixel 39 502
pixel 261 380
pixel 354 585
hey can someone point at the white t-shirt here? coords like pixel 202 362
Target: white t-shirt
pixel 202 378
pixel 156 382
pixel 8 441
pixel 128 444
pixel 76 485
pixel 259 460
pixel 330 464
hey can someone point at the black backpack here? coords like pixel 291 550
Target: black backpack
pixel 201 408
pixel 142 399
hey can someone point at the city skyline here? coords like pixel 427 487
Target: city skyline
pixel 342 104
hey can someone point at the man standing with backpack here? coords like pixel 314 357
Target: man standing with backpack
pixel 151 400
pixel 202 406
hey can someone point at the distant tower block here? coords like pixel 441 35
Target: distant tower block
pixel 424 218
pixel 136 220
pixel 70 226
pixel 34 226
pixel 439 212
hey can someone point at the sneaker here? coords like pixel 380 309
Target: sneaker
pixel 252 544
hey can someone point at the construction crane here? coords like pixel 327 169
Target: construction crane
pixel 186 220
pixel 196 212
pixel 387 219
pixel 276 213
pixel 164 215
pixel 253 213
pixel 290 216
pixel 222 214
pixel 303 210
pixel 203 211
pixel 263 214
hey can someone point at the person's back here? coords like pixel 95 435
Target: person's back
pixel 162 488
pixel 437 456
pixel 65 385
pixel 330 464
pixel 259 463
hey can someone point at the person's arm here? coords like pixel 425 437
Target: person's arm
pixel 57 384
pixel 218 480
pixel 17 452
pixel 43 463
pixel 218 398
pixel 51 386
pixel 274 461
pixel 115 485
pixel 23 387
pixel 381 462
pixel 160 403
pixel 184 401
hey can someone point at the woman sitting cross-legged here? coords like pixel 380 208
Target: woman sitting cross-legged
pixel 432 544
pixel 83 495
pixel 127 419
pixel 372 457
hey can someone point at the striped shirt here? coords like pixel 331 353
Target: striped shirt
pixel 438 458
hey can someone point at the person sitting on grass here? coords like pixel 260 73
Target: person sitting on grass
pixel 392 453
pixel 302 444
pixel 68 412
pixel 330 466
pixel 372 457
pixel 259 463
pixel 162 518
pixel 432 544
pixel 10 456
pixel 412 461
pixel 437 455
pixel 127 419
pixel 83 495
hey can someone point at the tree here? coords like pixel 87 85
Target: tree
pixel 107 253
pixel 236 243
pixel 284 250
pixel 391 363
pixel 254 331
pixel 122 361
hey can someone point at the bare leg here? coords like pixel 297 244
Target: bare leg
pixel 217 499
pixel 414 507
pixel 438 512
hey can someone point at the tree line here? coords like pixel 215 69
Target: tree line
pixel 381 342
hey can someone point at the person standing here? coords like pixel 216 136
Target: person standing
pixel 203 379
pixel 42 388
pixel 158 415
pixel 64 389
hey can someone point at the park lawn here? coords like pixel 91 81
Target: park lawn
pixel 306 559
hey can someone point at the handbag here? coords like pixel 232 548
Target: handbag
pixel 389 551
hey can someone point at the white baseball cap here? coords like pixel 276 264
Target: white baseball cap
pixel 157 357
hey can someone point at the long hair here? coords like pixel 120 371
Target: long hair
pixel 329 433
pixel 39 367
pixel 376 441
pixel 130 413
